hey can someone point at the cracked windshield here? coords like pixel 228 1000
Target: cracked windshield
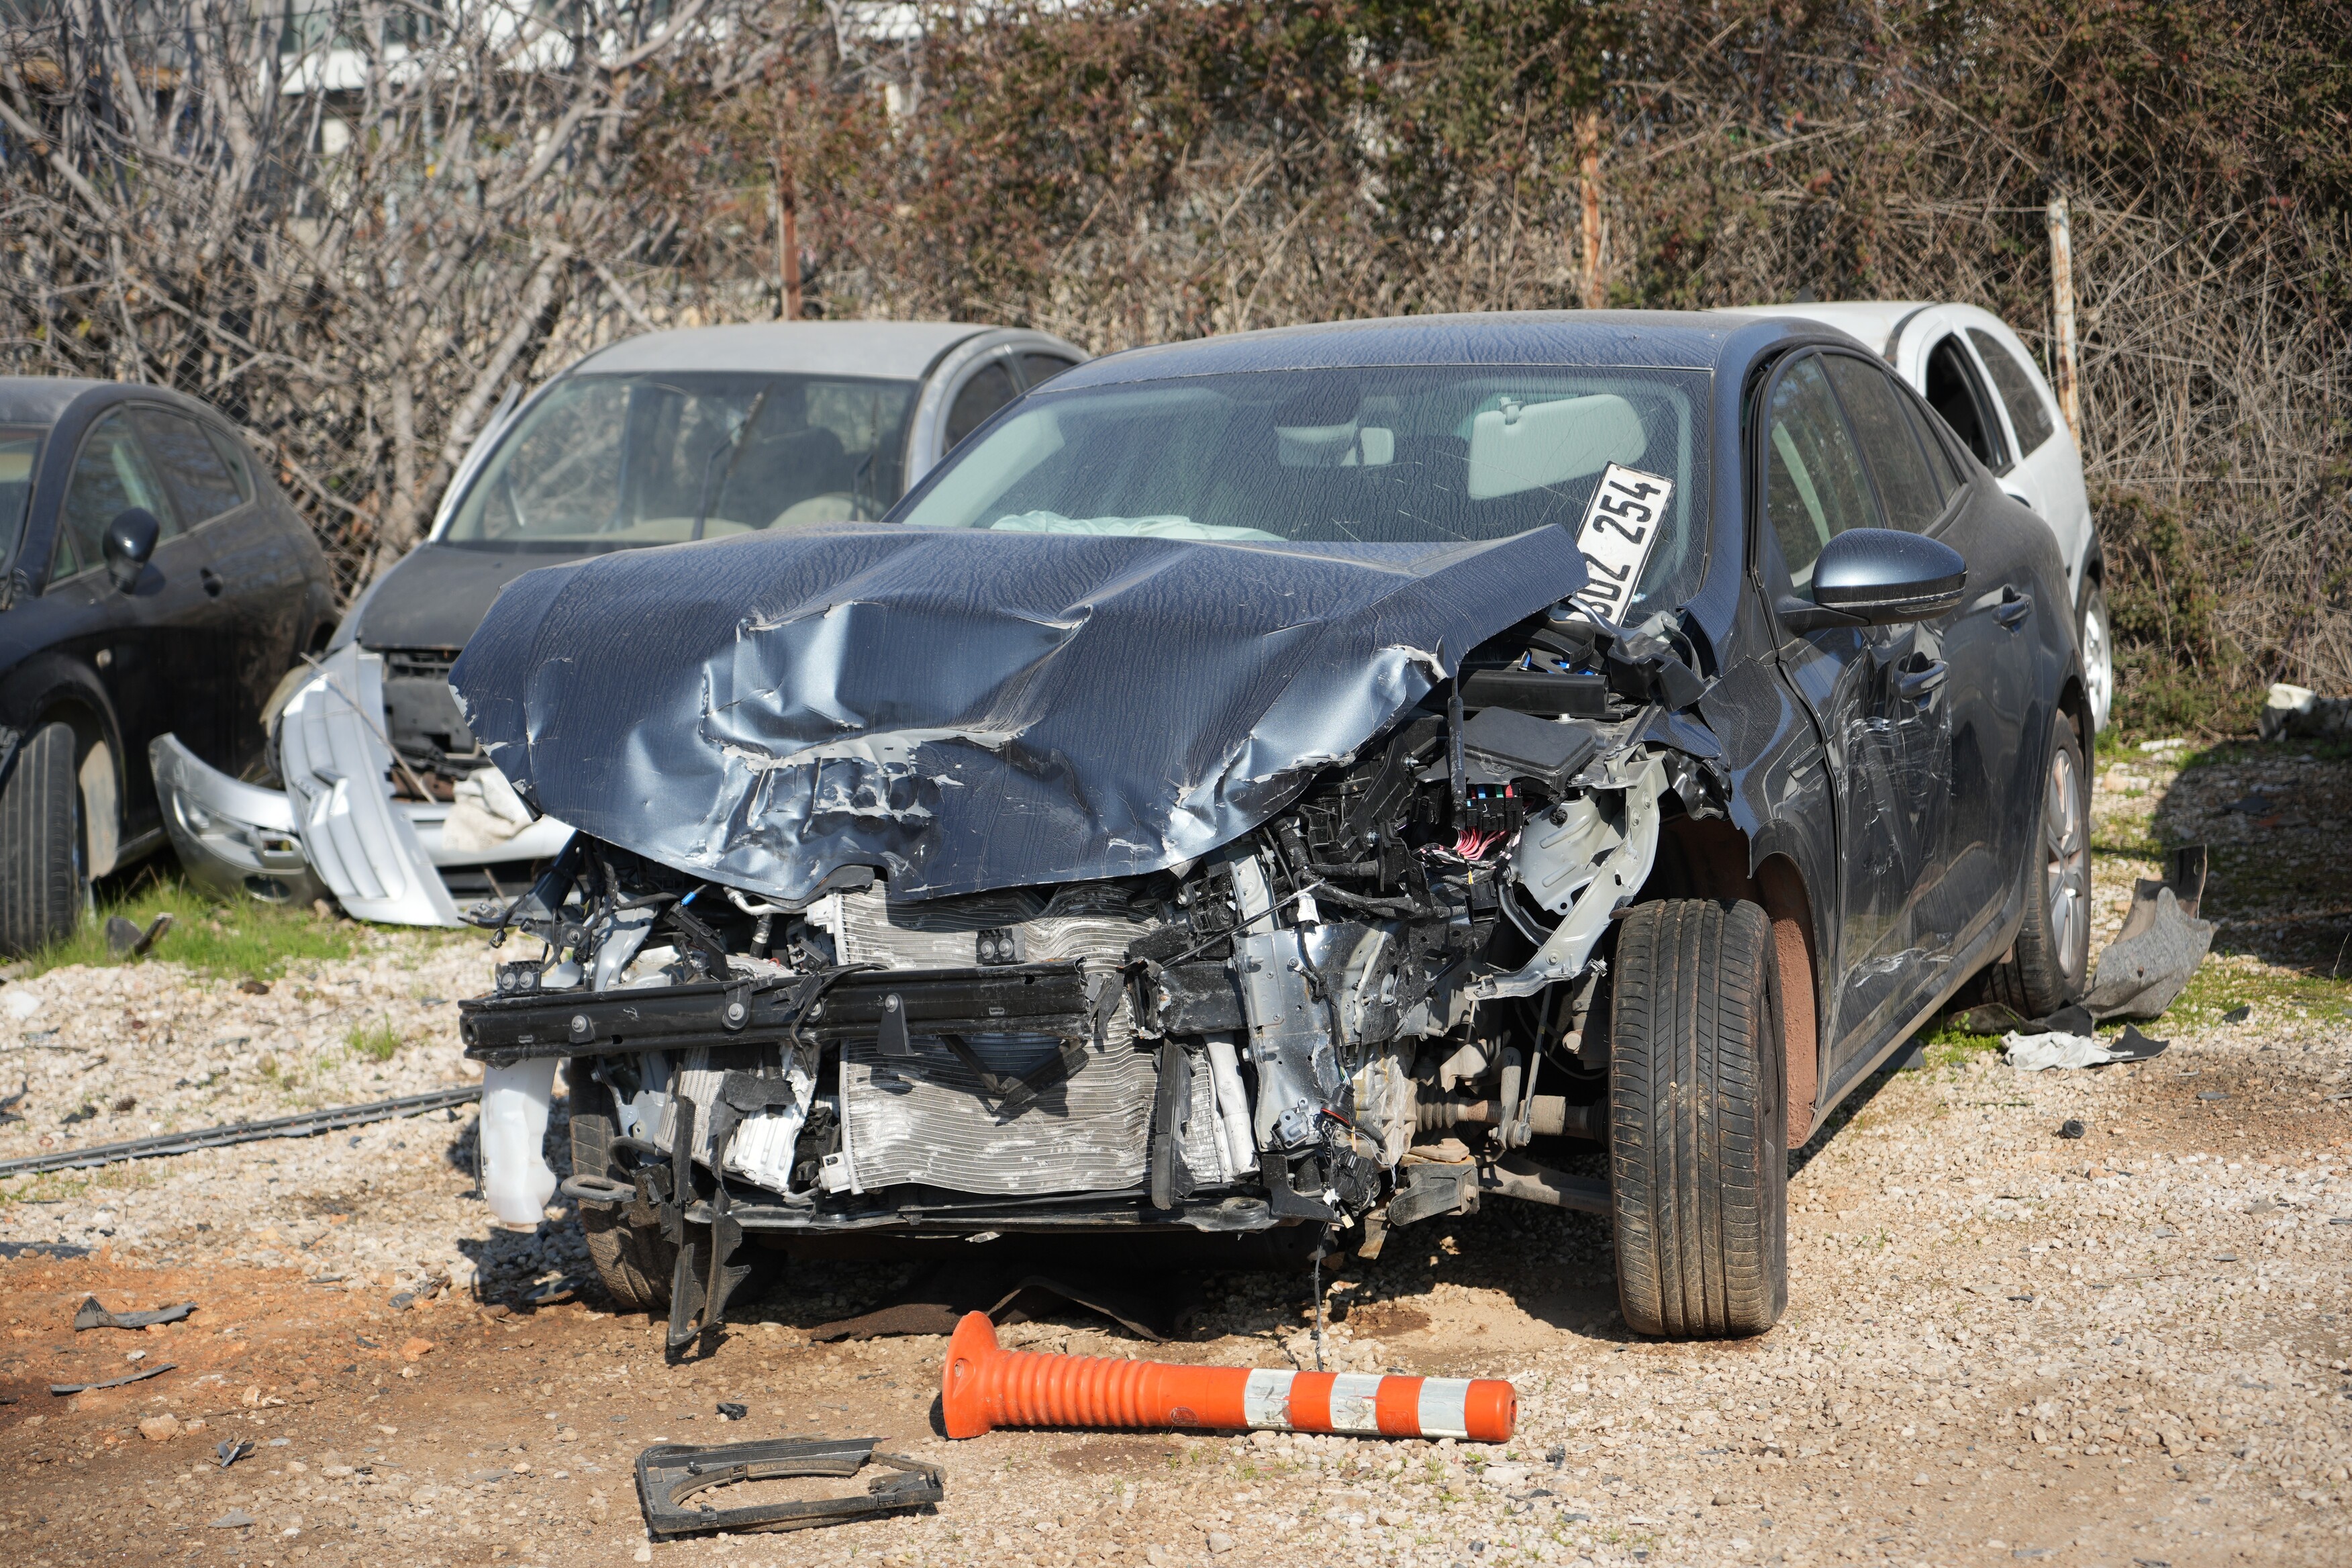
pixel 621 461
pixel 1372 456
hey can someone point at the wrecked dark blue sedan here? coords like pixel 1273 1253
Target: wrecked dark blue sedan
pixel 1321 778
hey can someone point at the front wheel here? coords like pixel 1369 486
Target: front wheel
pixel 1698 1117
pixel 44 877
pixel 635 1260
pixel 2049 966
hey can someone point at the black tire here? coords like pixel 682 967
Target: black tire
pixel 2050 965
pixel 43 883
pixel 1698 1117
pixel 635 1260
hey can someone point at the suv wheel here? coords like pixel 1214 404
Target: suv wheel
pixel 634 1259
pixel 1697 1154
pixel 2049 967
pixel 44 878
pixel 2098 656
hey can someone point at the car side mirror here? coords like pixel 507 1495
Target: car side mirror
pixel 1879 577
pixel 130 541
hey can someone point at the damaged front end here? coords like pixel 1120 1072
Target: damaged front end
pixel 393 837
pixel 1364 1006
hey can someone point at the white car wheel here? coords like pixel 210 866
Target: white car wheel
pixel 2098 657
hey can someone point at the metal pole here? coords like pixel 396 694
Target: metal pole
pixel 2062 305
pixel 1587 137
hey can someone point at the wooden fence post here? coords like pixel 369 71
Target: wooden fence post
pixel 788 228
pixel 2062 306
pixel 1587 139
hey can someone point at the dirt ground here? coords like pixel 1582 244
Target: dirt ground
pixel 2002 1345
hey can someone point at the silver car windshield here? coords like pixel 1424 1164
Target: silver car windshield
pixel 1376 455
pixel 612 461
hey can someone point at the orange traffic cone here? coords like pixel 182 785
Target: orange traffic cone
pixel 985 1387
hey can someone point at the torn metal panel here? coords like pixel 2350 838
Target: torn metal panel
pixel 335 758
pixel 967 711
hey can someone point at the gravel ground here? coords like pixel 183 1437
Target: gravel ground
pixel 2128 1348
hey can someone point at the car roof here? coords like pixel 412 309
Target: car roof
pixel 898 351
pixel 1872 321
pixel 1665 338
pixel 42 399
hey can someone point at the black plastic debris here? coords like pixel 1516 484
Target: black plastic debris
pixel 229 1452
pixel 2131 1045
pixel 93 1316
pixel 8 1111
pixel 671 1474
pixel 2161 945
pixel 730 1411
pixel 2239 1014
pixel 2071 1128
pixel 140 1374
pixel 125 940
pixel 42 1250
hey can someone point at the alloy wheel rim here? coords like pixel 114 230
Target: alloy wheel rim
pixel 2066 860
pixel 2098 666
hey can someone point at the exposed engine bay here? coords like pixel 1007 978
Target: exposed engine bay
pixel 1365 1008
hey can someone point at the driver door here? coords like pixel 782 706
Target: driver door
pixel 154 647
pixel 1876 693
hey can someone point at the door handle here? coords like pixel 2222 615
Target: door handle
pixel 211 580
pixel 1915 686
pixel 2014 607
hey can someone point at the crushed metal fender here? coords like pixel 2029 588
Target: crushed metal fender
pixel 786 706
pixel 668 1474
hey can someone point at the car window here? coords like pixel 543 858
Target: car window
pixel 1908 496
pixel 232 457
pixel 1954 392
pixel 1374 455
pixel 1038 369
pixel 18 451
pixel 201 484
pixel 2026 412
pixel 1814 489
pixel 989 389
pixel 1939 457
pixel 660 458
pixel 112 476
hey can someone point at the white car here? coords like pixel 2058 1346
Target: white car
pixel 1976 372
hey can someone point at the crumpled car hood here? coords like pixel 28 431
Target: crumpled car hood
pixel 967 711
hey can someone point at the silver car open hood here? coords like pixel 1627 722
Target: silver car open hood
pixel 967 711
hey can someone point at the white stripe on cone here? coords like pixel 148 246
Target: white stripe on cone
pixel 1355 1404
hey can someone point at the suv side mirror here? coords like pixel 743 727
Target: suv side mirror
pixel 130 541
pixel 1879 577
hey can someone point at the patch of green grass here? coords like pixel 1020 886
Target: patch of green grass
pixel 376 1042
pixel 226 941
pixel 2219 986
pixel 1947 1045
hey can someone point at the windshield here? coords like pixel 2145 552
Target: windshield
pixel 17 450
pixel 1374 455
pixel 612 461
